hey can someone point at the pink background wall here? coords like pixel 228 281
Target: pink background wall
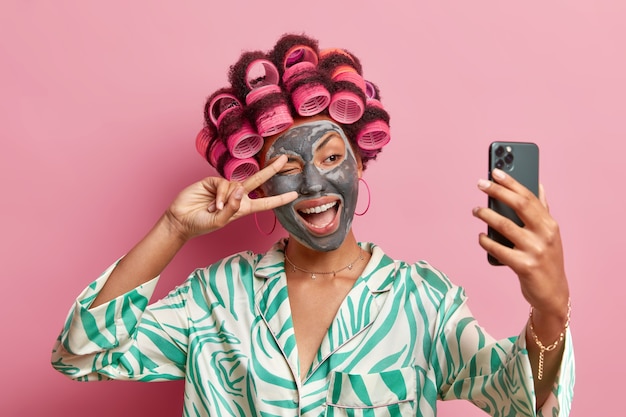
pixel 100 104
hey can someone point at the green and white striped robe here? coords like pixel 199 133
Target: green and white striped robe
pixel 402 339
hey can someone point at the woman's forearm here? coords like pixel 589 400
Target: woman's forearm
pixel 146 260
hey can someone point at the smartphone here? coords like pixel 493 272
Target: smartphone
pixel 521 161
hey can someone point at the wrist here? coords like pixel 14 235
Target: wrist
pixel 543 335
pixel 555 316
pixel 172 229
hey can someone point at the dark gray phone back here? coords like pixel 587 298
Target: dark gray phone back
pixel 521 161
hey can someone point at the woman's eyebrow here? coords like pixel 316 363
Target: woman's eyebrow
pixel 326 139
pixel 282 151
pixel 290 158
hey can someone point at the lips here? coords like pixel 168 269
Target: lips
pixel 320 216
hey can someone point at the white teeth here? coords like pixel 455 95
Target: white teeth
pixel 319 209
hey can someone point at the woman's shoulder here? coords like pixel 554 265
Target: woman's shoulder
pixel 244 264
pixel 419 273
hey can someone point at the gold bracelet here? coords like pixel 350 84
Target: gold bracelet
pixel 551 347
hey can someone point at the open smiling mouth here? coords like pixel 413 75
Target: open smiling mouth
pixel 321 219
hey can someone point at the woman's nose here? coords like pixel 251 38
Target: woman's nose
pixel 312 181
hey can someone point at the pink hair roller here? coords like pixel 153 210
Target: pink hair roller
pixel 373 135
pixel 239 169
pixel 258 93
pixel 273 120
pixel 221 105
pixel 261 72
pixel 203 138
pixel 346 107
pixel 216 150
pixel 347 73
pixel 310 100
pixel 374 103
pixel 300 53
pixel 245 142
pixel 324 53
pixel 296 71
pixel 370 90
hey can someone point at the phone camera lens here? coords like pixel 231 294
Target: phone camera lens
pixel 508 158
pixel 499 163
pixel 499 151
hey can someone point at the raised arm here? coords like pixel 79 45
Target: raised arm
pixel 537 259
pixel 199 209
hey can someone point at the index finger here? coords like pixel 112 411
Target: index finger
pixel 260 177
pixel 511 183
pixel 509 191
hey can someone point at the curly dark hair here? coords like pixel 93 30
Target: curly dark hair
pixel 331 71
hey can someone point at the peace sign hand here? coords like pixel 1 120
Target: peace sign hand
pixel 214 202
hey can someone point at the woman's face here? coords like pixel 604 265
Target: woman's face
pixel 324 171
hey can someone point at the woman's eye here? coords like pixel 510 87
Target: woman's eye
pixel 289 171
pixel 333 158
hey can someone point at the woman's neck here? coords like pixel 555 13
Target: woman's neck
pixel 308 259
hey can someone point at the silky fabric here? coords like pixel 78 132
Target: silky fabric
pixel 402 339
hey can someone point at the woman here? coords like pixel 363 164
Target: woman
pixel 321 324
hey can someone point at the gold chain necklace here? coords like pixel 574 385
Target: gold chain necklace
pixel 315 274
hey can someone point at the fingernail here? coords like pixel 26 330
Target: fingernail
pixel 238 193
pixel 220 205
pixel 498 173
pixel 483 184
pixel 475 210
pixel 211 208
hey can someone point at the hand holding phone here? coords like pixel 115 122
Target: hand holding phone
pixel 521 161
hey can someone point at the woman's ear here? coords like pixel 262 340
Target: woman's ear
pixel 359 165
